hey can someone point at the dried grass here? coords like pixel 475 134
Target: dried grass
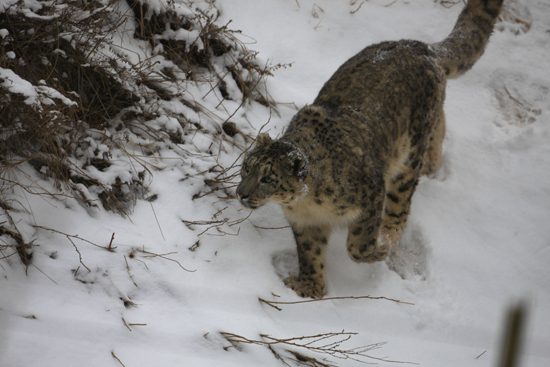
pixel 319 347
pixel 93 108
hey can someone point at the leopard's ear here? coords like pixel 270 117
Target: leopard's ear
pixel 263 140
pixel 300 167
pixel 296 164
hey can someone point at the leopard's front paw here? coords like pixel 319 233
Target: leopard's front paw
pixel 306 287
pixel 379 254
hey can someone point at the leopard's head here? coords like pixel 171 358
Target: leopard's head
pixel 273 172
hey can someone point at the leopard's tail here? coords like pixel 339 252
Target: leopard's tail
pixel 466 43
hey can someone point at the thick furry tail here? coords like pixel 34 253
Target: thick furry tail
pixel 466 43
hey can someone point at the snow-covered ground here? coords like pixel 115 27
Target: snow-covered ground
pixel 478 239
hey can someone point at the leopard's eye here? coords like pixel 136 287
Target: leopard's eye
pixel 266 180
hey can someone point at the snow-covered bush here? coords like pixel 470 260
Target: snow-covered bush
pixel 92 91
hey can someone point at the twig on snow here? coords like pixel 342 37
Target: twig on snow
pixel 111 248
pixel 273 303
pixel 163 256
pixel 326 343
pixel 359 7
pixel 119 361
pixel 481 354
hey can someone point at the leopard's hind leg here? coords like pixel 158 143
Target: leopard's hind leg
pixel 400 186
pixel 432 159
pixel 379 228
pixel 424 157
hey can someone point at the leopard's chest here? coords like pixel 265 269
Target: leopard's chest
pixel 321 211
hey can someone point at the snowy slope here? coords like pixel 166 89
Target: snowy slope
pixel 478 238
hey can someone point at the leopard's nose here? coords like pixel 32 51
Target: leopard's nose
pixel 242 197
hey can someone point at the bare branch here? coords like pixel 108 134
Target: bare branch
pixel 163 256
pixel 115 357
pixel 323 344
pixel 273 303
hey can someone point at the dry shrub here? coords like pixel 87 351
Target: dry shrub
pixel 53 124
pixel 195 42
pixel 90 116
pixel 311 350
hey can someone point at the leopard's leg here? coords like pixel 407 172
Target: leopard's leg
pixel 312 242
pixel 362 243
pixel 432 159
pixel 399 192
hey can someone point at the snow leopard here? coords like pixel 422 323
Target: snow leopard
pixel 353 157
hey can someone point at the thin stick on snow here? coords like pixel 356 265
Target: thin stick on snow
pixel 79 254
pixel 111 248
pixel 273 303
pixel 70 236
pixel 259 227
pixel 481 354
pixel 128 269
pixel 119 361
pixel 137 324
pixel 158 224
pixel 513 99
pixel 46 275
pixel 356 10
pixel 163 256
pixel 126 324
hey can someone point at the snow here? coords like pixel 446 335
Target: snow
pixel 15 84
pixel 478 239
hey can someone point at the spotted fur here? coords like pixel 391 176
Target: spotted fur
pixel 353 157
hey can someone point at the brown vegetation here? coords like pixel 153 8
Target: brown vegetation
pixel 84 112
